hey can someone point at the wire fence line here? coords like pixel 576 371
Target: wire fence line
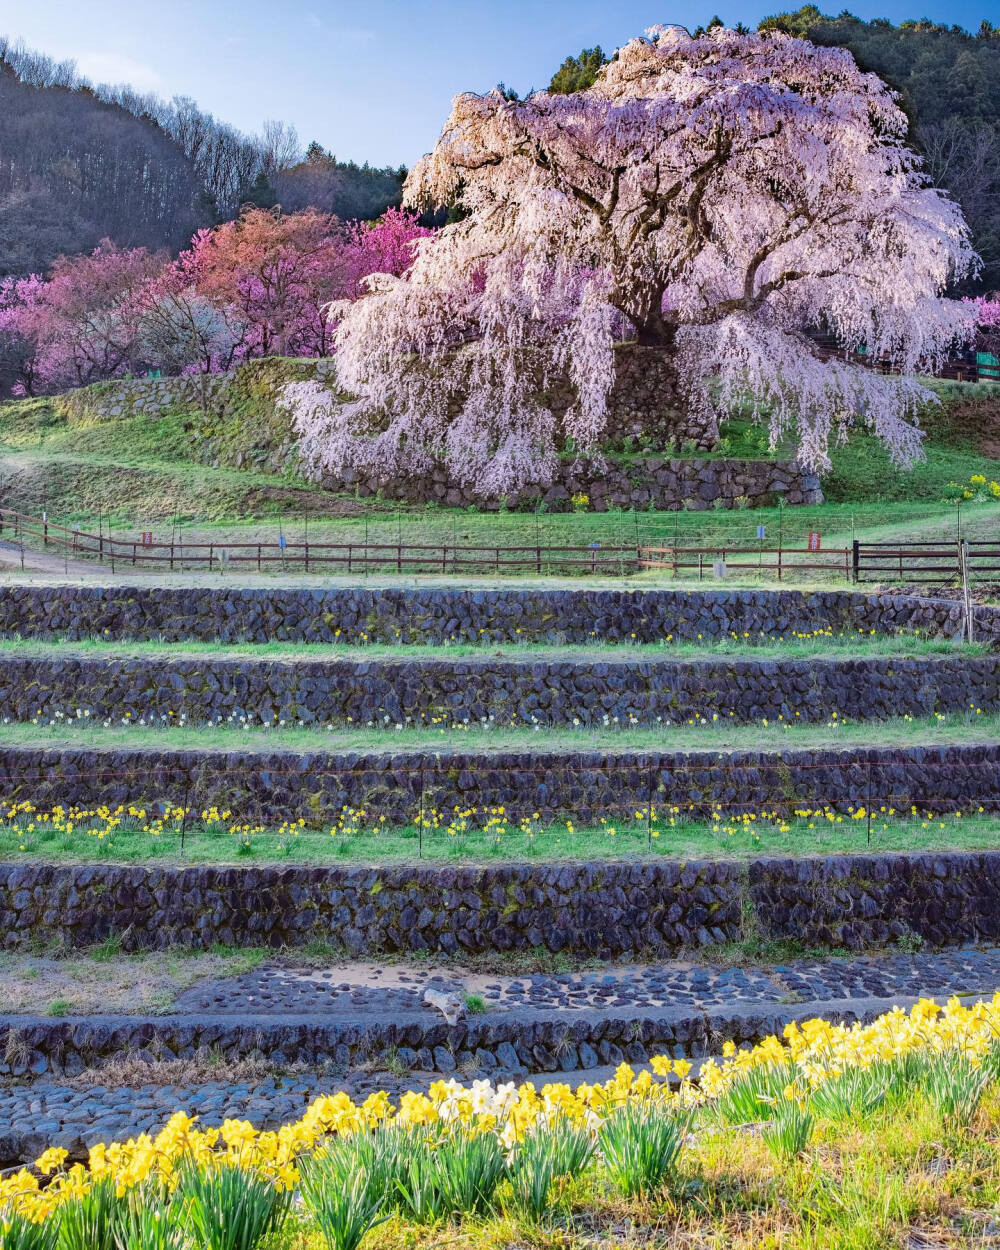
pixel 424 793
pixel 940 561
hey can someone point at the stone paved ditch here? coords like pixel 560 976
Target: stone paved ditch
pixel 358 1027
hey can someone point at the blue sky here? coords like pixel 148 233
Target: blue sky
pixel 371 79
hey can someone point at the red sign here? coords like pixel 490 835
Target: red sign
pixel 814 540
pixel 147 538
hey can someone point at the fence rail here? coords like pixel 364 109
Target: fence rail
pixel 540 559
pixel 861 562
pixel 925 562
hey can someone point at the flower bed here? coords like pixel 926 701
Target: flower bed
pixel 797 1109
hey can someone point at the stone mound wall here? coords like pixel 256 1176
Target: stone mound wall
pixel 609 910
pixel 218 402
pixel 604 691
pixel 439 614
pixel 269 787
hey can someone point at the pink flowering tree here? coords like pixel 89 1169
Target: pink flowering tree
pixel 274 276
pixel 82 323
pixel 720 195
pixel 384 246
pixel 987 310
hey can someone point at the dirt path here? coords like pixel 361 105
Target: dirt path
pixel 13 556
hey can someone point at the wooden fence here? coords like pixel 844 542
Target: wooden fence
pixel 931 562
pixel 862 562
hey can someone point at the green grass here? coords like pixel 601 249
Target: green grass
pixel 672 833
pixel 183 468
pixel 704 735
pixel 839 646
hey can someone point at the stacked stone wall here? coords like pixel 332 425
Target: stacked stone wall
pixel 441 614
pixel 268 787
pixel 604 909
pixel 605 692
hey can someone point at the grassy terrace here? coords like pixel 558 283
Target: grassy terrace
pixel 498 839
pixel 839 646
pixel 703 735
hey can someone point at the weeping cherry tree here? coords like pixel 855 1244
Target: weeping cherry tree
pixel 712 198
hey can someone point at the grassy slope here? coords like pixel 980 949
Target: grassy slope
pixel 139 472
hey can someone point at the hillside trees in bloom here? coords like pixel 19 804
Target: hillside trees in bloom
pixel 257 286
pixel 277 272
pixel 82 324
pixel 718 195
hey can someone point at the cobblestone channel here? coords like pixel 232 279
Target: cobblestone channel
pixel 683 1008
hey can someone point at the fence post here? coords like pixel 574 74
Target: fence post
pixel 855 560
pixel 650 783
pixel 420 825
pixel 963 554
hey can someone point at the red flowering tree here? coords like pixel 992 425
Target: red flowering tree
pixel 273 275
pixel 384 246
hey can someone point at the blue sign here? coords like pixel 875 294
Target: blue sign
pixel 282 542
pixel 760 531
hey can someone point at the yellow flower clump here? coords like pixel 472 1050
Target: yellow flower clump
pixel 814 1051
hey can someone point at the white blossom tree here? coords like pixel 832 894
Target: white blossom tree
pixel 712 197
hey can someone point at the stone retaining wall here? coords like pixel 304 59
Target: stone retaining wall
pixel 436 614
pixel 360 692
pixel 511 1045
pixel 213 404
pixel 269 787
pixel 604 909
pixel 649 482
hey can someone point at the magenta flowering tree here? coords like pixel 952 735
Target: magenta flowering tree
pixel 718 195
pixel 82 323
pixel 384 246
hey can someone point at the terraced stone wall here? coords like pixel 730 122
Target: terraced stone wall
pixel 269 787
pixel 216 403
pixel 437 614
pixel 610 910
pixel 511 1045
pixel 584 691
